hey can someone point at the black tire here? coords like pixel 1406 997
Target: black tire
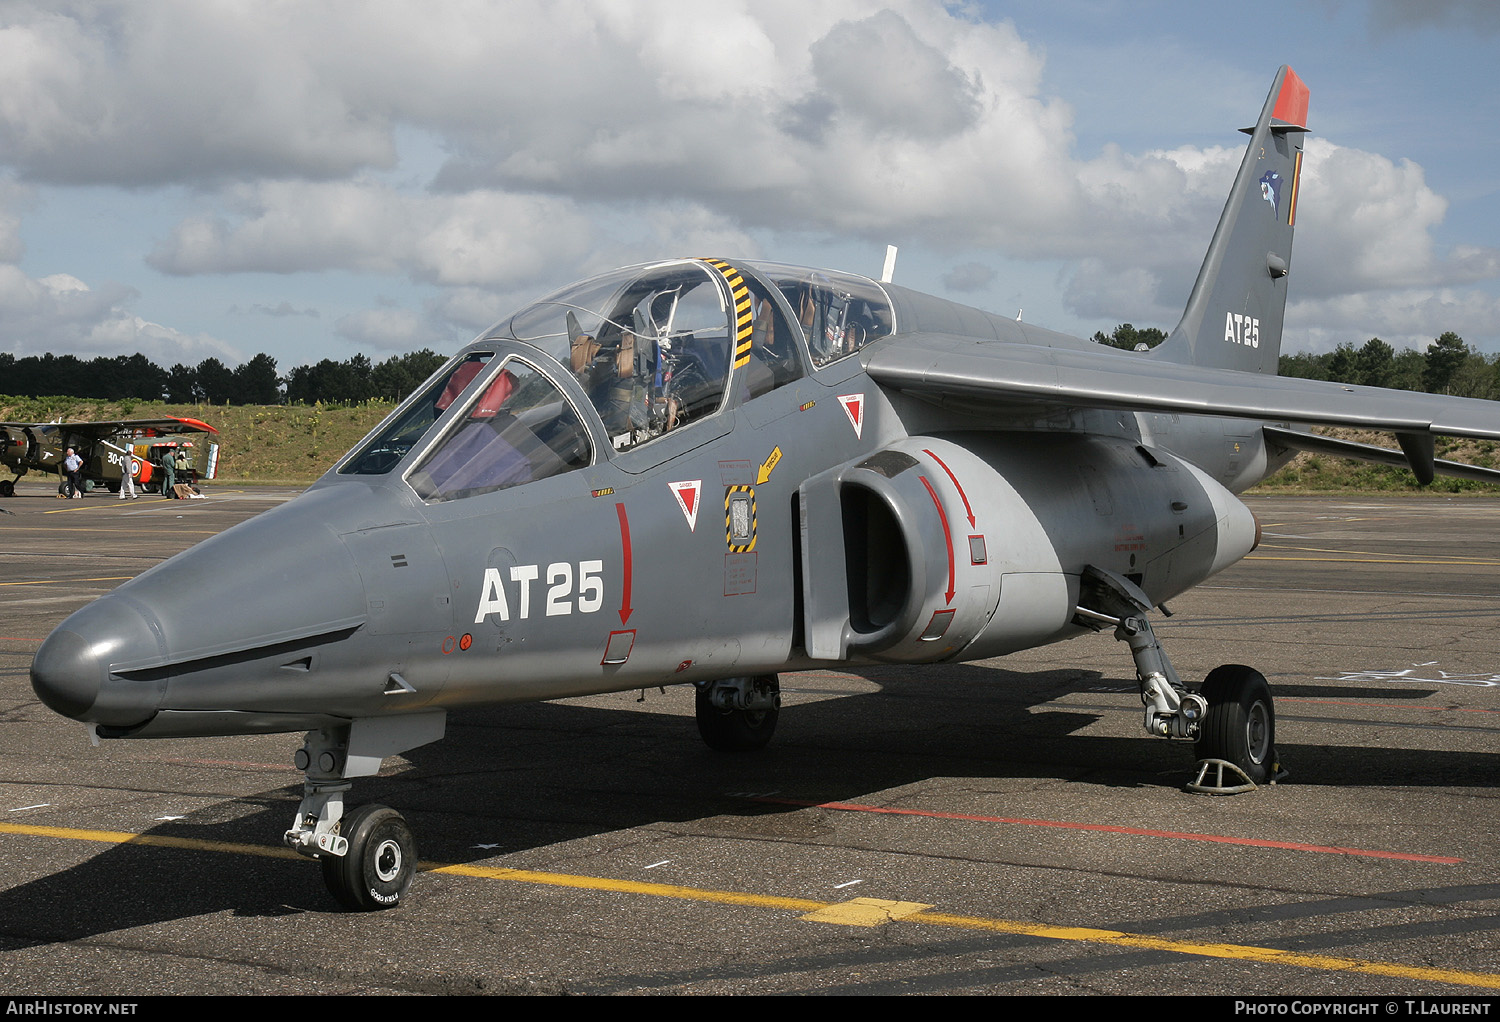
pixel 7 488
pixel 382 860
pixel 737 730
pixel 1240 725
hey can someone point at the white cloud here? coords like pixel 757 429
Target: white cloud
pixel 1403 318
pixel 141 94
pixel 386 329
pixel 482 237
pixel 969 276
pixel 12 196
pixel 60 313
pixel 581 134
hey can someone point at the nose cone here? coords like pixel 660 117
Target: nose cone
pixel 73 670
pixel 249 631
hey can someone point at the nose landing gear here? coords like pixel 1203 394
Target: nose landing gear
pixel 738 714
pixel 369 856
pixel 1232 718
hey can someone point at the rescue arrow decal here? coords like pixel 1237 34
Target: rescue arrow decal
pixel 961 494
pixel 625 609
pixel 768 466
pixel 947 535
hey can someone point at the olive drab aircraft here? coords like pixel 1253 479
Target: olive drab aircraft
pixel 708 471
pixel 43 446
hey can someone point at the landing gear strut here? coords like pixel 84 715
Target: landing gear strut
pixel 738 714
pixel 369 856
pixel 1232 718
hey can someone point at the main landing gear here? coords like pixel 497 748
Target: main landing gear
pixel 738 714
pixel 1232 718
pixel 369 856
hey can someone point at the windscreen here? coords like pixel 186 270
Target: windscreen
pixel 395 437
pixel 518 429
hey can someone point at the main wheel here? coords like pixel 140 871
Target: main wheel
pixel 737 730
pixel 7 488
pixel 381 861
pixel 1240 725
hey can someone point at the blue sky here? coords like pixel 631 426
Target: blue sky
pixel 316 179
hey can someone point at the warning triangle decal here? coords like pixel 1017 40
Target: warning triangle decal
pixel 687 494
pixel 854 407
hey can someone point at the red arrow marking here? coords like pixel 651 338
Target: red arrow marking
pixel 947 536
pixel 625 608
pixel 962 496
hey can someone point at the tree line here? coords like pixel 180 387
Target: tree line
pixel 1448 366
pixel 255 382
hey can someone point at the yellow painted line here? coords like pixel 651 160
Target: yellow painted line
pixel 587 883
pixel 66 581
pixel 1244 952
pixel 145 530
pixel 865 912
pixel 1084 934
pixel 1363 553
pixel 122 837
pixel 98 503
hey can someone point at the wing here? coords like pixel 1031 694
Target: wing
pixel 170 424
pixel 1026 378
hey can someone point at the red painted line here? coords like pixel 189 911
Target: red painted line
pixel 947 535
pixel 625 609
pixel 14 638
pixel 961 494
pixel 1295 846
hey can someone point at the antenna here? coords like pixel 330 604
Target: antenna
pixel 890 264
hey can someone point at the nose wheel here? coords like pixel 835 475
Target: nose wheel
pixel 382 858
pixel 1240 725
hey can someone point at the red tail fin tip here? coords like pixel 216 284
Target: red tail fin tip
pixel 1291 101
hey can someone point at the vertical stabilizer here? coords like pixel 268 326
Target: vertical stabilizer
pixel 1233 317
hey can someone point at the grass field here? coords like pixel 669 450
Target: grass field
pixel 294 444
pixel 257 443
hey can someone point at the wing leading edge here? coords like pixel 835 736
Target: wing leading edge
pixel 1024 379
pixel 101 430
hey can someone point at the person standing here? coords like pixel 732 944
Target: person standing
pixel 169 474
pixel 127 473
pixel 185 471
pixel 73 465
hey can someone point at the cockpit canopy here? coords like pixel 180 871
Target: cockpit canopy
pixel 653 349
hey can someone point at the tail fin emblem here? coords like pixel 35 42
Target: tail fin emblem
pixel 1270 189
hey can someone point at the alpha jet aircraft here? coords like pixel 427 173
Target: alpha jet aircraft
pixel 43 445
pixel 710 472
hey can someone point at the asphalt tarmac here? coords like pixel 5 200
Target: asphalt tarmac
pixel 999 827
